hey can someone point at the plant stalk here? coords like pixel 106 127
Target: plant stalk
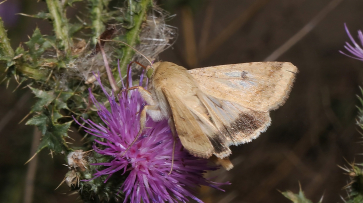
pixel 98 27
pixel 132 36
pixel 60 24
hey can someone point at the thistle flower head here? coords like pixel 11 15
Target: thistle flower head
pixel 148 161
pixel 355 50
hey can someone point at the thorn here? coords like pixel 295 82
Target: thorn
pixel 64 179
pixel 3 80
pixel 16 78
pixel 321 199
pixel 73 193
pixel 50 74
pixel 25 117
pixel 7 84
pixel 3 2
pixel 84 137
pixel 88 151
pixel 18 85
pixel 6 69
pixel 345 169
pixel 31 158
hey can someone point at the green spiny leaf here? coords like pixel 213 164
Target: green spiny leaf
pixel 37 44
pixel 61 101
pixel 40 121
pixel 297 198
pixel 45 98
pixel 54 138
pixel 53 133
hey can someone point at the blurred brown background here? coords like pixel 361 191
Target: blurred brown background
pixel 310 135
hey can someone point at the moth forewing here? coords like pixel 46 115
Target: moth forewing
pixel 261 86
pixel 215 107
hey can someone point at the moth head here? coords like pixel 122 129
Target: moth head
pixel 150 70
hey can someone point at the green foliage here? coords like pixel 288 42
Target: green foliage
pixel 49 65
pixel 297 198
pixel 45 98
pixel 135 15
pixel 47 110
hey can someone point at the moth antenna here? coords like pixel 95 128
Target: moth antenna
pixel 139 64
pixel 151 64
pixel 129 73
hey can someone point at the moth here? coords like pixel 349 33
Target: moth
pixel 212 108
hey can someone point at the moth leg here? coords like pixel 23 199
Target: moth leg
pixel 143 115
pixel 142 124
pixel 146 95
pixel 173 131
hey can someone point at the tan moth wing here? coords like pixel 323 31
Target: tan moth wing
pixel 240 96
pixel 178 97
pixel 259 86
pixel 215 107
pixel 190 134
pixel 234 122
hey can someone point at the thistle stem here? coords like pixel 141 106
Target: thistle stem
pixel 132 36
pixel 60 23
pixel 97 7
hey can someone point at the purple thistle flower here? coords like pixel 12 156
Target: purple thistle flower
pixel 148 160
pixel 355 50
